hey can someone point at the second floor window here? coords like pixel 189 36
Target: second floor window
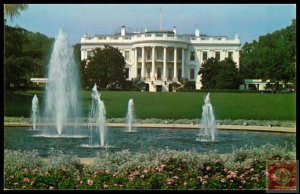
pixel 204 56
pixel 127 56
pixel 148 55
pixel 218 56
pixel 192 56
pixel 230 55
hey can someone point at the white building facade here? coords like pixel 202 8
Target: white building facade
pixel 160 58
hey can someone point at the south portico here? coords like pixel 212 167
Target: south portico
pixel 159 64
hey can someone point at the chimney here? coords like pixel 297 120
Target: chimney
pixel 237 37
pixel 123 31
pixel 174 30
pixel 197 32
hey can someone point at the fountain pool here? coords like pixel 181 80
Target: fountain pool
pixel 145 138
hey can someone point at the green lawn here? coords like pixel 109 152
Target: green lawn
pixel 178 105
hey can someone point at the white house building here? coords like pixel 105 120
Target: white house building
pixel 160 58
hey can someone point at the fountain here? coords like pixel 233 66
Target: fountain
pixel 208 122
pixel 97 121
pixel 130 115
pixel 61 100
pixel 34 109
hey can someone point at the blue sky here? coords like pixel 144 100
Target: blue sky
pixel 248 20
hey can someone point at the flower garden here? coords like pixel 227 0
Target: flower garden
pixel 243 169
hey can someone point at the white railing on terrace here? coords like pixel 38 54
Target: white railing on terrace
pixel 158 36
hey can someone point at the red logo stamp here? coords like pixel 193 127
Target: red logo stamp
pixel 281 175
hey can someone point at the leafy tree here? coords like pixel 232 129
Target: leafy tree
pixel 209 71
pixel 272 57
pixel 228 75
pixel 105 67
pixel 219 74
pixel 13 10
pixel 25 55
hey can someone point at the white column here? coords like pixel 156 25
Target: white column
pixel 165 64
pixel 82 54
pixel 175 63
pixel 134 75
pixel 143 64
pixel 223 56
pixel 200 57
pixel 237 58
pixel 153 63
pixel 182 63
pixel 85 54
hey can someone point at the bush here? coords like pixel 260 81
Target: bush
pixel 155 169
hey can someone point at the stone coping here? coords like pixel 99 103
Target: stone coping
pixel 169 126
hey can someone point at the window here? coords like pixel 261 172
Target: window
pixel 217 56
pixel 127 72
pixel 148 72
pixel 159 54
pixel 170 54
pixel 139 70
pixel 158 73
pixel 192 73
pixel 89 54
pixel 204 56
pixel 148 55
pixel 170 72
pixel 230 55
pixel 192 56
pixel 127 56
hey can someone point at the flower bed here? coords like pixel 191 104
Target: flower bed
pixel 156 169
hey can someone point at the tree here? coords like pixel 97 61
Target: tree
pixel 105 67
pixel 272 57
pixel 13 10
pixel 25 55
pixel 219 74
pixel 209 71
pixel 228 75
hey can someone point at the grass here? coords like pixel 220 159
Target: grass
pixel 180 105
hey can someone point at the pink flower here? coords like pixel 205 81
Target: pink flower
pixel 242 176
pixel 32 182
pixel 231 180
pixel 16 184
pixel 273 176
pixel 223 180
pixel 175 177
pixel 145 171
pixel 34 171
pixel 240 187
pixel 208 168
pixel 267 173
pixel 51 188
pixel 46 173
pixel 107 171
pixel 204 182
pixel 90 182
pixel 217 161
pixel 243 181
pixel 115 174
pixel 169 181
pixel 25 170
pixel 142 176
pixel 225 169
pixel 205 177
pixel 200 178
pixel 252 169
pixel 26 180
